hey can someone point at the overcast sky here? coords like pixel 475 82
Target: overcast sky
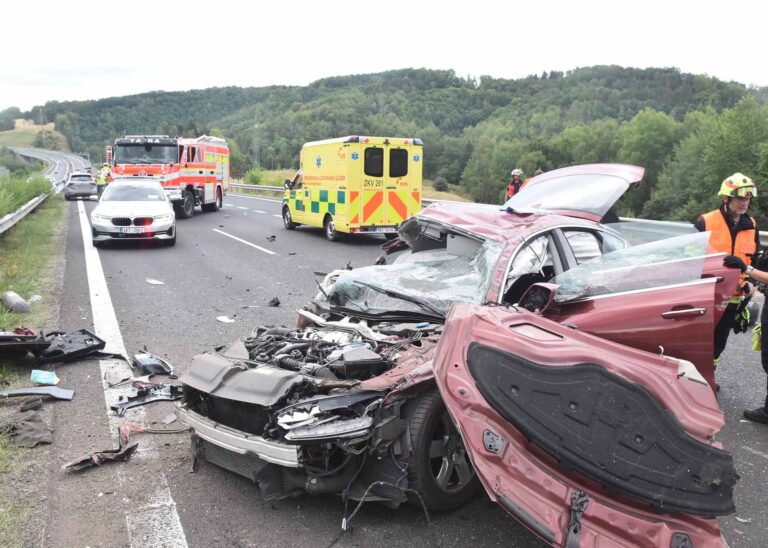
pixel 86 49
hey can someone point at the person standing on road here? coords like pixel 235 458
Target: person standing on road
pixel 516 183
pixel 101 182
pixel 759 414
pixel 734 232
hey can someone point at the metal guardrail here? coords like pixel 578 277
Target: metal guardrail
pixel 12 218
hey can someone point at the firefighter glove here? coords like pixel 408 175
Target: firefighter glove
pixel 733 260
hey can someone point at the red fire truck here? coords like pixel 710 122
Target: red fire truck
pixel 192 171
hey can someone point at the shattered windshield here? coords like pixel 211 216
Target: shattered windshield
pixel 439 269
pixel 662 263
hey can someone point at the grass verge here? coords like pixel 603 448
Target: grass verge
pixel 18 138
pixel 28 265
pixel 15 191
pixel 11 512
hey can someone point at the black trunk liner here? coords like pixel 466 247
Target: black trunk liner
pixel 607 428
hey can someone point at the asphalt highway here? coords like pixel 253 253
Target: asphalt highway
pixel 227 264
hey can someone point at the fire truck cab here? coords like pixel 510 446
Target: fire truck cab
pixel 191 171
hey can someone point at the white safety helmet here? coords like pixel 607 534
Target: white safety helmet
pixel 518 172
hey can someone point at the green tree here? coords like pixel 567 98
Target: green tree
pixel 647 140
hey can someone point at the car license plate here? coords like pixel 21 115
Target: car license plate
pixel 132 230
pixel 384 229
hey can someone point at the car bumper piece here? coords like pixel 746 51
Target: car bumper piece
pixel 238 441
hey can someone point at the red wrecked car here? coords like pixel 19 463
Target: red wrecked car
pixel 526 348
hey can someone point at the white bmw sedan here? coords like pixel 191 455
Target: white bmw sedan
pixel 133 209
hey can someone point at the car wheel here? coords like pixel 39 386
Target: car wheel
pixel 287 219
pixel 330 229
pixel 187 207
pixel 439 468
pixel 96 243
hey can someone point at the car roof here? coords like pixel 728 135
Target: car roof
pixel 488 221
pixel 79 174
pixel 138 181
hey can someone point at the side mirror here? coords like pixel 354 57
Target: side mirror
pixel 539 297
pixel 288 184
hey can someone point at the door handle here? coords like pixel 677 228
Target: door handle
pixel 683 313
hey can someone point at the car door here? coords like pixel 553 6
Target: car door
pixel 664 297
pixel 584 441
pixel 585 191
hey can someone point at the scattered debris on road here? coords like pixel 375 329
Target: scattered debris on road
pixel 225 319
pixel 122 453
pixel 44 377
pixel 152 365
pixel 154 282
pixel 27 429
pixel 148 393
pixel 274 302
pixel 14 302
pixel 52 391
pixel 271 238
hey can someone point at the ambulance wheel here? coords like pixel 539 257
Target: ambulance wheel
pixel 187 206
pixel 330 229
pixel 287 219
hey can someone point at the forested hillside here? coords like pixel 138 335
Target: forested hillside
pixel 689 131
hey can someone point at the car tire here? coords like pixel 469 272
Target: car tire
pixel 187 207
pixel 439 468
pixel 330 229
pixel 287 219
pixel 96 243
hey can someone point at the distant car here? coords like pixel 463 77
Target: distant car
pixel 80 184
pixel 133 209
pixel 525 348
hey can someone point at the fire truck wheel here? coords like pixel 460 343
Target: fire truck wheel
pixel 187 207
pixel 216 204
pixel 287 220
pixel 330 229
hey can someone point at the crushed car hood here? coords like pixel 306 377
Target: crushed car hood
pixel 221 377
pixel 585 191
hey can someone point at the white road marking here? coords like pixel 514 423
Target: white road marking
pixel 278 216
pixel 241 207
pixel 244 242
pixel 256 198
pixel 258 211
pixel 755 451
pixel 142 532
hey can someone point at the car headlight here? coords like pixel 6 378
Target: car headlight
pixel 96 218
pixel 165 218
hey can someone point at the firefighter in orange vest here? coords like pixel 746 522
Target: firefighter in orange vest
pixel 516 183
pixel 734 232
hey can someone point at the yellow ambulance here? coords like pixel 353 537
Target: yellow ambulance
pixel 355 185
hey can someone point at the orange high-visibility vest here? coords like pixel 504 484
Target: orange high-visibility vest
pixel 742 246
